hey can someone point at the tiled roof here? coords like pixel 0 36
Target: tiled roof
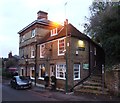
pixel 38 21
pixel 71 31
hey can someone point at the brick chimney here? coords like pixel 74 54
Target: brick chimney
pixel 10 55
pixel 42 14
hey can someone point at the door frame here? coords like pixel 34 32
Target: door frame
pixel 52 70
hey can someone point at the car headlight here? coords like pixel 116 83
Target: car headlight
pixel 18 82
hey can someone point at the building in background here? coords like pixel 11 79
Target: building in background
pixel 10 65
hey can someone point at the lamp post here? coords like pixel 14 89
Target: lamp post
pixel 66 74
pixel 66 58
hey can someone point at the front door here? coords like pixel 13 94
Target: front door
pixel 52 70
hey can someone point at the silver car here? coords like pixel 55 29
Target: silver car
pixel 20 82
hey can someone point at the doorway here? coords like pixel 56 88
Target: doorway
pixel 52 70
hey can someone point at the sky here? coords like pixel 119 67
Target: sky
pixel 17 14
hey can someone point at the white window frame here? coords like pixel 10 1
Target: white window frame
pixel 54 32
pixel 76 71
pixel 41 66
pixel 32 54
pixel 58 71
pixel 59 54
pixel 33 32
pixel 42 52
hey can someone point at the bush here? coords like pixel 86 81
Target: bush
pixel 112 49
pixel 9 75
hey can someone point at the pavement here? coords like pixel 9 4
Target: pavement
pixel 62 96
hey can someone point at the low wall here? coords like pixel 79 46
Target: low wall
pixel 112 80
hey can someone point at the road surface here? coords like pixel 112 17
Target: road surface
pixel 41 94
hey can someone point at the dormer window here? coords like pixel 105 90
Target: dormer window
pixel 54 32
pixel 33 33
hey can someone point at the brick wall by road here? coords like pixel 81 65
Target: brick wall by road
pixel 112 80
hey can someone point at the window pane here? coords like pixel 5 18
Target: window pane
pixel 60 70
pixel 76 76
pixel 32 52
pixel 61 74
pixel 33 33
pixel 54 32
pixel 76 71
pixel 42 71
pixel 33 73
pixel 42 51
pixel 61 46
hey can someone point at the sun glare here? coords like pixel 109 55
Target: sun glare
pixel 58 18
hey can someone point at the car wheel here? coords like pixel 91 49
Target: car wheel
pixel 16 87
pixel 30 87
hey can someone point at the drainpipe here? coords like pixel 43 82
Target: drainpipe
pixel 26 65
pixel 35 62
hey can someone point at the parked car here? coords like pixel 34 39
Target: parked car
pixel 20 82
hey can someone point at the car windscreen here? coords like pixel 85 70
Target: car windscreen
pixel 18 79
